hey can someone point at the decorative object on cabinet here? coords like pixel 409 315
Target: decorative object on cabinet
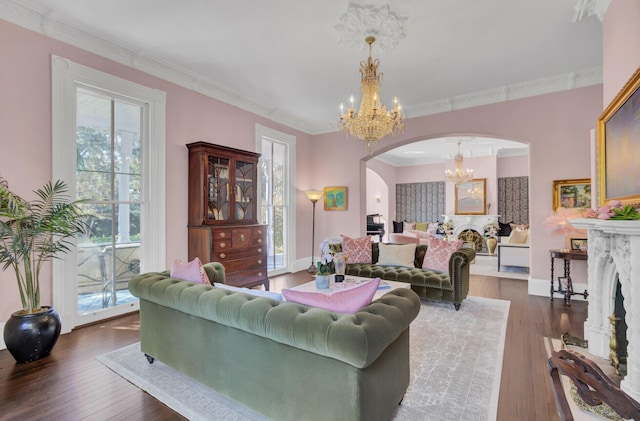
pixel 335 198
pixel 470 197
pixel 223 223
pixel 572 194
pixel 314 196
pixel 619 146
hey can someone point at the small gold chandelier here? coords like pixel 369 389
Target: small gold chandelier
pixel 459 175
pixel 372 121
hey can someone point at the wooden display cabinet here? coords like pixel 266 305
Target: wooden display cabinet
pixel 223 225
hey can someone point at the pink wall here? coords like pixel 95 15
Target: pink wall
pixel 513 166
pixel 555 126
pixel 25 129
pixel 621 46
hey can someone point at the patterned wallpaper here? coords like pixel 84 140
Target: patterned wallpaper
pixel 420 202
pixel 513 199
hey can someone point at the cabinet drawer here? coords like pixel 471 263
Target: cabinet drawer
pixel 246 278
pixel 260 231
pixel 221 234
pixel 222 255
pixel 241 238
pixel 251 264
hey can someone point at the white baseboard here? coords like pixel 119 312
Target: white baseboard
pixel 542 288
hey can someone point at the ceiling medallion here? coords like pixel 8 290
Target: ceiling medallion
pixel 372 121
pixel 360 21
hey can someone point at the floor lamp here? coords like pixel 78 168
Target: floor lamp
pixel 314 196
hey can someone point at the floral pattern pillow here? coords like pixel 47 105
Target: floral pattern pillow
pixel 438 254
pixel 358 250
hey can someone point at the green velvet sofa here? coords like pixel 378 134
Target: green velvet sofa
pixel 284 360
pixel 428 284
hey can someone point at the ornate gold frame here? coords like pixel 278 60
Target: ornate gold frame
pixel 557 184
pixel 478 208
pixel 630 172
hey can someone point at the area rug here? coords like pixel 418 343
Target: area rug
pixel 456 365
pixel 488 266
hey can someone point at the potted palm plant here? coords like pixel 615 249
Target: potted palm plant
pixel 32 233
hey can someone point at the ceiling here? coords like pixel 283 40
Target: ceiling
pixel 285 59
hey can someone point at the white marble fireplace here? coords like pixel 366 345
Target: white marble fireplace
pixel 472 222
pixel 614 254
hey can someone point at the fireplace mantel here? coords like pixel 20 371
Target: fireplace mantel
pixel 473 222
pixel 614 255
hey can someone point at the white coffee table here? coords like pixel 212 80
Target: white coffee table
pixel 350 281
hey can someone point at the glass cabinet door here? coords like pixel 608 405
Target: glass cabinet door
pixel 244 190
pixel 218 201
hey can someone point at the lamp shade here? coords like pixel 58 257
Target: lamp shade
pixel 314 195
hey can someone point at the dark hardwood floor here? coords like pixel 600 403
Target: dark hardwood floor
pixel 72 385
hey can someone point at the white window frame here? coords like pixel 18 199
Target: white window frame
pixel 66 76
pixel 290 179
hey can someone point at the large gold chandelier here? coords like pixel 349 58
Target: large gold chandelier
pixel 459 176
pixel 372 121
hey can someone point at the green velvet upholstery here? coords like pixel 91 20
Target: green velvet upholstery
pixel 285 360
pixel 428 284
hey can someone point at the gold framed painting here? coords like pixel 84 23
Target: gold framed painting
pixel 619 146
pixel 572 194
pixel 335 198
pixel 471 197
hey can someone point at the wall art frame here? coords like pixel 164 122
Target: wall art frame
pixel 335 198
pixel 619 146
pixel 471 197
pixel 578 244
pixel 572 194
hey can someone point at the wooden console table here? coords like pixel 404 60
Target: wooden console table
pixel 567 289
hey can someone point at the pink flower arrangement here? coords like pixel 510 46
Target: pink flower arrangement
pixel 612 210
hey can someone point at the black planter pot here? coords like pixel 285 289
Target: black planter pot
pixel 30 337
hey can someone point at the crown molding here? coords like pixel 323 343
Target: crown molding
pixel 38 20
pixel 27 15
pixel 548 85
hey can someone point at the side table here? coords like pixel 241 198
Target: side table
pixel 566 288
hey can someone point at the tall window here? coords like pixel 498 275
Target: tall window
pixel 277 169
pixel 109 147
pixel 109 151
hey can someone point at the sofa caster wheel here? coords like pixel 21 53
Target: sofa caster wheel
pixel 457 306
pixel 149 358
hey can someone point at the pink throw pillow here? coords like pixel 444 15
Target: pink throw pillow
pixel 191 271
pixel 438 254
pixel 349 300
pixel 358 249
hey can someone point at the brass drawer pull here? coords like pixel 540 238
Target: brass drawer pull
pixel 222 235
pixel 242 237
pixel 222 255
pixel 222 245
pixel 259 273
pixel 259 240
pixel 259 232
pixel 259 261
pixel 259 250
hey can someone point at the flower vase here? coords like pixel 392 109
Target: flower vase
pixel 491 245
pixel 340 262
pixel 322 281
